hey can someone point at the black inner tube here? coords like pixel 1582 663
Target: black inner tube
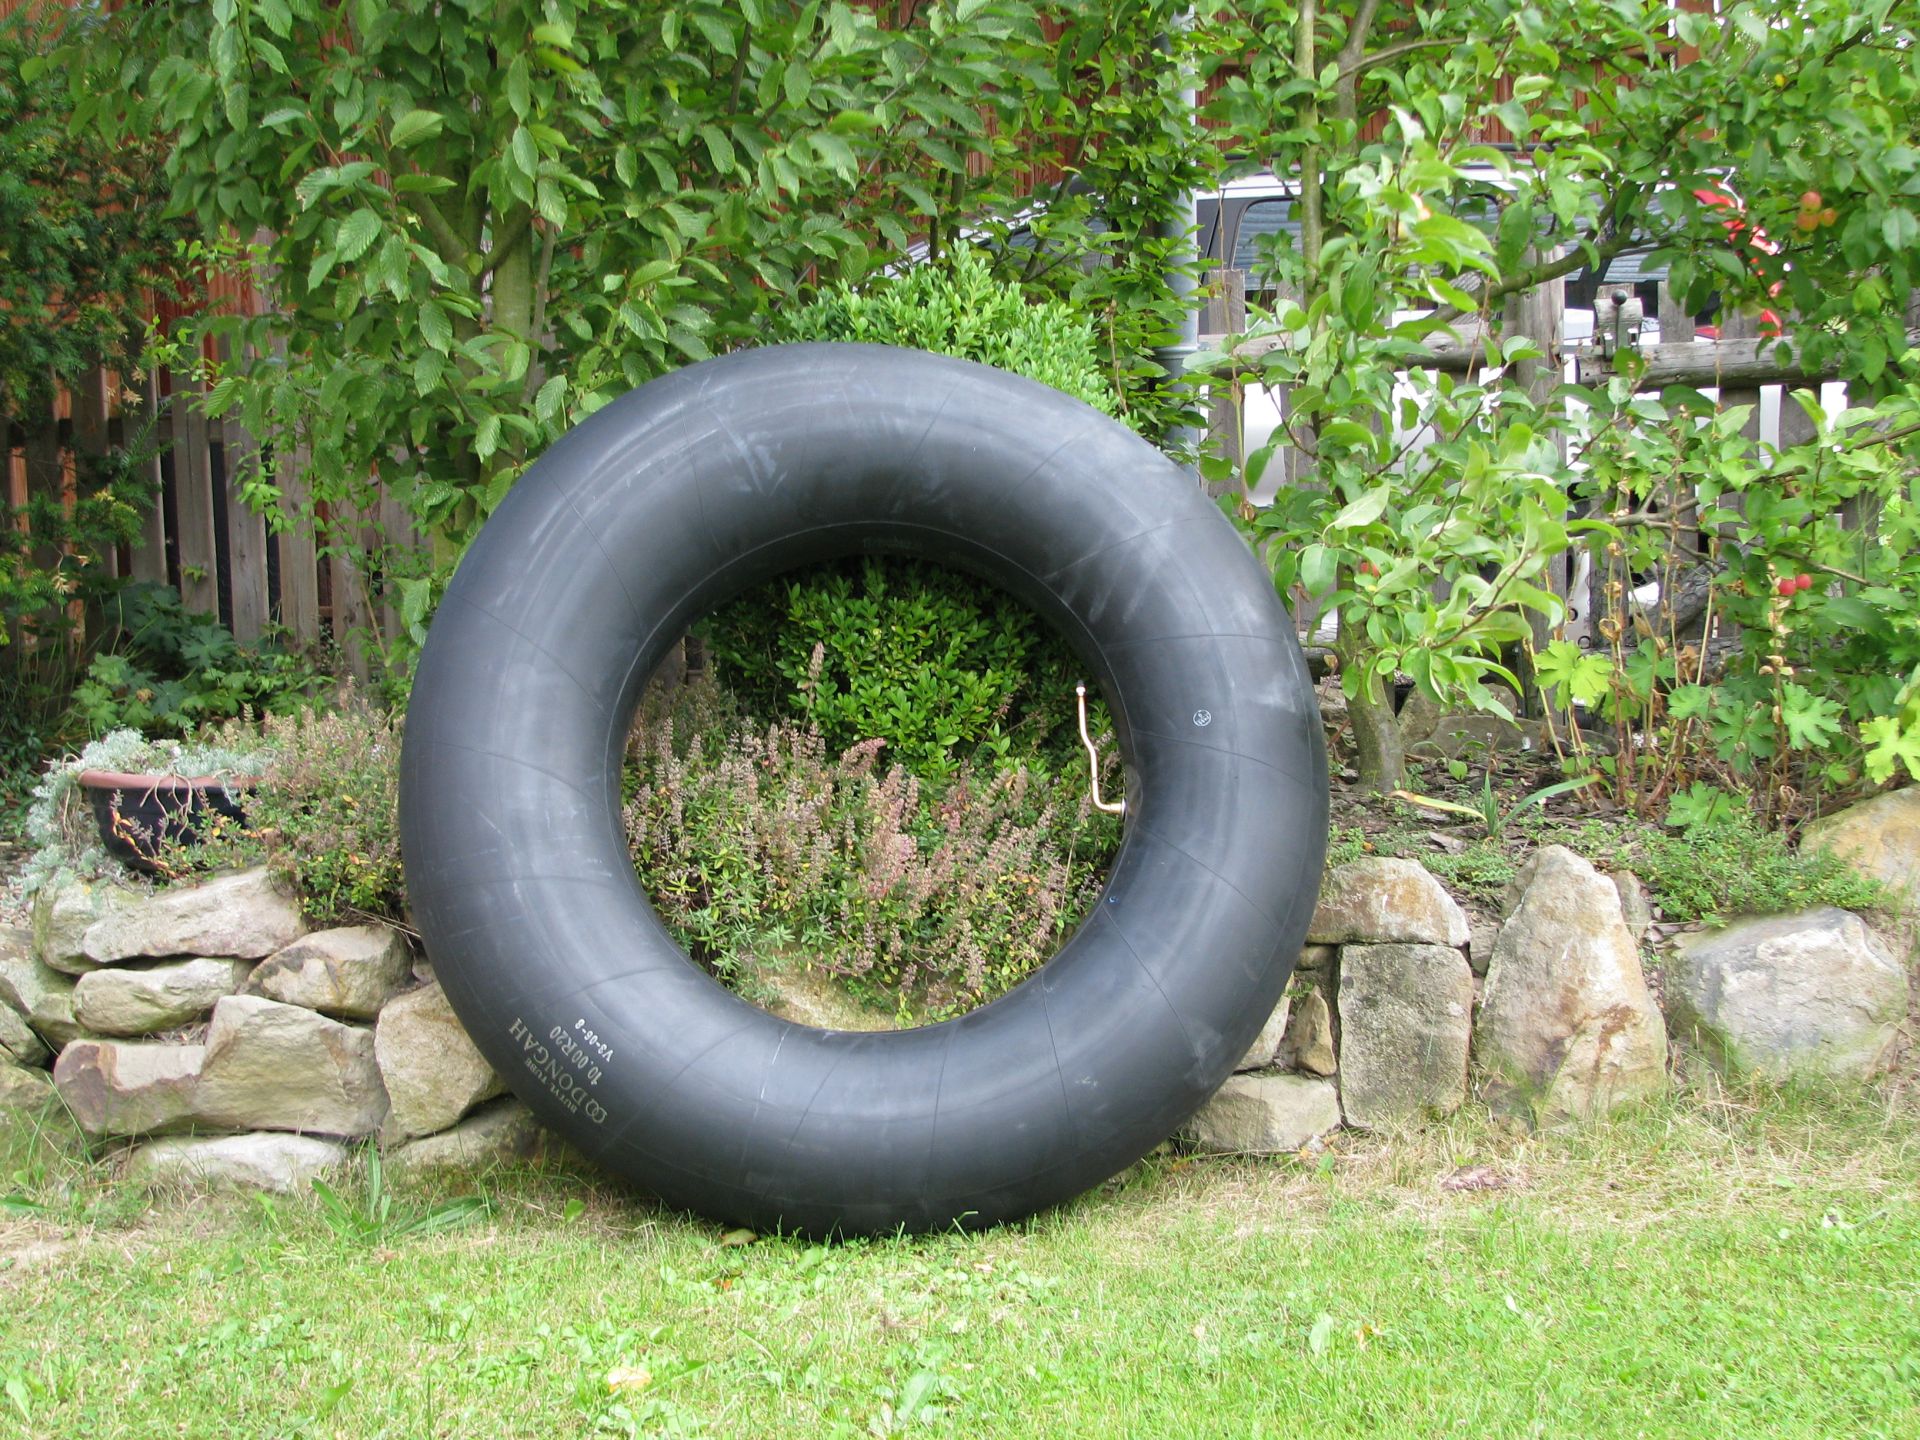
pixel 681 495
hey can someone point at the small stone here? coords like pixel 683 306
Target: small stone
pixel 1635 908
pixel 1308 1043
pixel 1316 959
pixel 495 1134
pixel 1260 1054
pixel 1470 737
pixel 1406 1016
pixel 433 1072
pixel 1480 943
pixel 348 973
pixel 1264 1115
pixel 280 1163
pixel 1386 901
pixel 19 1042
pixel 64 910
pixel 1879 836
pixel 282 1067
pixel 1567 1026
pixel 1811 994
pixel 23 1091
pixel 120 1087
pixel 42 995
pixel 244 915
pixel 139 1000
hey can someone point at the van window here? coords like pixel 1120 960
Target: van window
pixel 1259 222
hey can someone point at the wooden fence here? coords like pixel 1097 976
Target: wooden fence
pixel 199 536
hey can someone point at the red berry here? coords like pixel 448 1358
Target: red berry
pixel 1805 582
pixel 1787 585
pixel 1810 200
pixel 1829 216
pixel 1806 221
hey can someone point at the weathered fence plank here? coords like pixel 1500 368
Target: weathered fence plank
pixel 193 498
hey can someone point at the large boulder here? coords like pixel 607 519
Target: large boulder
pixel 1386 901
pixel 348 973
pixel 1406 1016
pixel 41 995
pixel 1264 1115
pixel 130 1000
pixel 64 909
pixel 1267 1043
pixel 120 1087
pixel 281 1163
pixel 1308 1043
pixel 243 915
pixel 496 1134
pixel 23 1091
pixel 1567 1026
pixel 1879 837
pixel 282 1067
pixel 433 1072
pixel 1811 994
pixel 18 1042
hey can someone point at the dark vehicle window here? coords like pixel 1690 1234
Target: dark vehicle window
pixel 1259 222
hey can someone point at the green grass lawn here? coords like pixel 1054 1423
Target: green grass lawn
pixel 1736 1266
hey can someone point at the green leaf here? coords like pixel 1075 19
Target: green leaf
pixel 1364 511
pixel 435 328
pixel 1900 230
pixel 357 233
pixel 417 126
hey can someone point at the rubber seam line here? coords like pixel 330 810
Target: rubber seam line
pixel 1182 850
pixel 1174 1010
pixel 1219 750
pixel 514 630
pixel 1202 635
pixel 605 559
pixel 619 1132
pixel 805 1114
pixel 1059 1071
pixel 1117 544
pixel 552 775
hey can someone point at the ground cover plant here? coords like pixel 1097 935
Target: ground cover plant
pixel 768 847
pixel 1723 1263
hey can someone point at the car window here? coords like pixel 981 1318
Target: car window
pixel 1259 222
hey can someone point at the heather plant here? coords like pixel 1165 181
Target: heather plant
pixel 324 813
pixel 765 848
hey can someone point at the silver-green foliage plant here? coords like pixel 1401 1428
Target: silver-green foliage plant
pixel 60 825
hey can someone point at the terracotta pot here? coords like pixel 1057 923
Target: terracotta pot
pixel 138 814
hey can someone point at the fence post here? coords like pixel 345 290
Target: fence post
pixel 150 550
pixel 193 498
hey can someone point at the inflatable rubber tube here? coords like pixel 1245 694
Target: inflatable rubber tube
pixel 682 494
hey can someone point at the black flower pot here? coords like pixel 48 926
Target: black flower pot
pixel 138 815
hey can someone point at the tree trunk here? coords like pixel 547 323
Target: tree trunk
pixel 1378 753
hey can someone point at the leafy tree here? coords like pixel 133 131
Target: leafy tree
pixel 1432 551
pixel 481 221
pixel 80 242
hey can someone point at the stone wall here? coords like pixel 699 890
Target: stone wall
pixel 204 1032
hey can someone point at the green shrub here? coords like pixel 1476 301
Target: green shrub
pixel 939 665
pixel 324 812
pixel 960 309
pixel 763 848
pixel 936 664
pixel 170 669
